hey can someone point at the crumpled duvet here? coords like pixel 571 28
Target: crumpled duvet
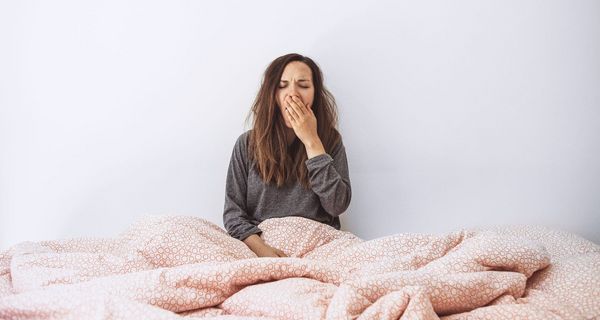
pixel 171 267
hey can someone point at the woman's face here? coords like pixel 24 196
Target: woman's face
pixel 295 80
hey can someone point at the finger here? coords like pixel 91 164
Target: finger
pixel 308 109
pixel 298 115
pixel 297 105
pixel 282 254
pixel 289 115
pixel 287 110
pixel 292 111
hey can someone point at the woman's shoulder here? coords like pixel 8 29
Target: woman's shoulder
pixel 242 143
pixel 337 145
pixel 337 139
pixel 242 139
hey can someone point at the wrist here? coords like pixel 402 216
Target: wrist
pixel 254 241
pixel 313 143
pixel 314 148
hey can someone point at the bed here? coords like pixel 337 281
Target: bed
pixel 173 267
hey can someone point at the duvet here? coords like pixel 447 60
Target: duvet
pixel 172 267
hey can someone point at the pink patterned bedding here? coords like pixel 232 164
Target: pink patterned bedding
pixel 172 267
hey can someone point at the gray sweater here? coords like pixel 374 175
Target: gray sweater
pixel 249 201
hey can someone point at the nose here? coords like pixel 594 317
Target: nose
pixel 293 92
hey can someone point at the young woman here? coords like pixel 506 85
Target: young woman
pixel 292 162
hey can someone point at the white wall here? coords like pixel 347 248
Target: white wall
pixel 454 114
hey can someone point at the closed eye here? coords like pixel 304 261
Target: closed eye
pixel 283 86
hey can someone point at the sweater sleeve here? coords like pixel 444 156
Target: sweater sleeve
pixel 330 180
pixel 235 216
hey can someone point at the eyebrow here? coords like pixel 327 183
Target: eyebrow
pixel 298 80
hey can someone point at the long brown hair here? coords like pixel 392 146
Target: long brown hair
pixel 267 145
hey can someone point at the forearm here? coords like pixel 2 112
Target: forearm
pixel 329 179
pixel 314 148
pixel 254 241
pixel 261 249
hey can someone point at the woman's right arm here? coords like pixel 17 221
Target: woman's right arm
pixel 235 217
pixel 258 246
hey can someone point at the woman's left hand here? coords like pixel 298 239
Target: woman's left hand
pixel 302 118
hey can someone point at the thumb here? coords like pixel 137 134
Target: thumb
pixel 281 253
